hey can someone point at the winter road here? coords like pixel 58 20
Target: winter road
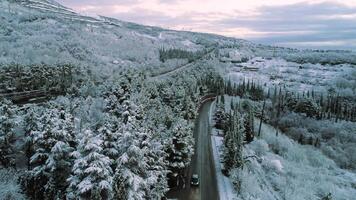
pixel 202 163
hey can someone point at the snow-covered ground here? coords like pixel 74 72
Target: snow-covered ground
pixel 225 187
pixel 280 168
pixel 288 170
pixel 294 76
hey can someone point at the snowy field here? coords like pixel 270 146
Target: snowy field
pixel 296 77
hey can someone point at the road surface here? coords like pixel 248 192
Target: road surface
pixel 202 163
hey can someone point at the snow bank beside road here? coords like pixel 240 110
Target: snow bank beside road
pixel 225 187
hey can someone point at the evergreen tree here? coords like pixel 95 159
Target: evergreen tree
pixel 32 121
pixel 220 116
pixel 233 142
pixel 58 165
pixel 50 163
pixel 239 135
pixel 7 134
pixel 141 167
pixel 132 166
pixel 110 135
pixel 248 121
pixel 229 150
pixel 189 108
pixel 157 174
pixel 140 171
pixel 182 147
pixel 307 106
pixel 92 177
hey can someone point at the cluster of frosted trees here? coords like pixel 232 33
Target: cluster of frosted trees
pixel 237 124
pixel 84 147
pixel 121 138
pixel 28 78
pixel 322 120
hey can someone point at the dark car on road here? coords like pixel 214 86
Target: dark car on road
pixel 195 180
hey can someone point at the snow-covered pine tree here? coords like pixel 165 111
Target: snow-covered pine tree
pixel 248 121
pixel 58 165
pixel 220 116
pixel 308 106
pixel 32 120
pixel 229 150
pixel 140 171
pixel 91 173
pixel 233 142
pixel 130 112
pixel 114 96
pixel 182 146
pixel 239 138
pixel 50 163
pixel 110 135
pixel 157 170
pixel 7 133
pixel 189 108
pixel 130 180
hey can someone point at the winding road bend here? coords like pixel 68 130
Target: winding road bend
pixel 202 163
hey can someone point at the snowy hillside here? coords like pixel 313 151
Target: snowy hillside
pixel 57 33
pixel 53 34
pixel 92 107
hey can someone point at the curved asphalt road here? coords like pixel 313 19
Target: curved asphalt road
pixel 202 163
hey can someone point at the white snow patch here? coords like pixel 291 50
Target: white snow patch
pixel 225 187
pixel 273 164
pixel 187 43
pixel 143 35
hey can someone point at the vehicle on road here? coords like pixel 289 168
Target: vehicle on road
pixel 195 180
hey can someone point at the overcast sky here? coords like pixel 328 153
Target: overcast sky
pixel 296 23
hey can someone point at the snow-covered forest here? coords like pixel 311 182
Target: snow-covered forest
pixel 97 108
pixel 119 138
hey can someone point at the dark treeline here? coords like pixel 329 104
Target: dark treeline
pixel 166 54
pixel 318 106
pixel 20 78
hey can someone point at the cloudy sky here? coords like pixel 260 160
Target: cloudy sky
pixel 298 23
